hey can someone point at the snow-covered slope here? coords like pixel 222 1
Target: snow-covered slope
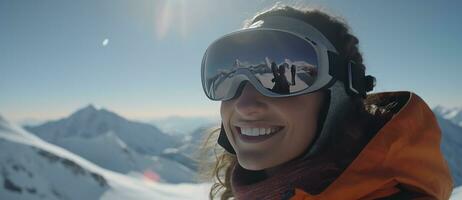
pixel 109 151
pixel 192 142
pixel 457 193
pixel 451 145
pixel 90 122
pixel 189 152
pixel 31 168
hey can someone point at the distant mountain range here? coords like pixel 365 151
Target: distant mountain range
pixel 31 169
pixel 118 144
pixel 180 126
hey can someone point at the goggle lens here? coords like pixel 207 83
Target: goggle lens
pixel 279 62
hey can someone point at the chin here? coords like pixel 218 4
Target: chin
pixel 251 167
pixel 253 164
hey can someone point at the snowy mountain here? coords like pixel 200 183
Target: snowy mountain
pixel 90 122
pixel 451 145
pixel 117 144
pixel 189 152
pixel 109 151
pixel 452 114
pixel 31 168
pixel 193 141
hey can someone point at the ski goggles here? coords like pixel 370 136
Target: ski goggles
pixel 277 61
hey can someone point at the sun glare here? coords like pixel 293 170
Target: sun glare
pixel 169 17
pixel 176 16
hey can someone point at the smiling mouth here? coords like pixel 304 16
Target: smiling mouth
pixel 257 134
pixel 258 131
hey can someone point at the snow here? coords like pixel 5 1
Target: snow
pixel 170 150
pixel 163 191
pixel 110 152
pixel 456 193
pixel 31 168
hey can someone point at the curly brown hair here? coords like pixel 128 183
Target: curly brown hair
pixel 368 117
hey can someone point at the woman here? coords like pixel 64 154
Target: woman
pixel 324 138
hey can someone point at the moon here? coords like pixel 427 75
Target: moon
pixel 105 42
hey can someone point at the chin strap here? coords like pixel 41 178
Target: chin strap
pixel 224 142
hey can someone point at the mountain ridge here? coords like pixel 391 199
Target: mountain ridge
pixel 90 122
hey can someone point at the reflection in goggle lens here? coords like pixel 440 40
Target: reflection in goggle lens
pixel 282 63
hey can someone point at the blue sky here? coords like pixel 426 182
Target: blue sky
pixel 53 61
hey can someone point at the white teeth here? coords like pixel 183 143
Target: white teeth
pixel 258 131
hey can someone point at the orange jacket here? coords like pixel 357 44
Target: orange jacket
pixel 404 154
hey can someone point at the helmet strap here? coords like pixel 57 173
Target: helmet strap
pixel 224 142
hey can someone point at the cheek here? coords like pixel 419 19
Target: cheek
pixel 302 116
pixel 300 113
pixel 303 124
pixel 225 110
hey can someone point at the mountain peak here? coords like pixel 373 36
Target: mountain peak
pixel 84 112
pixel 90 113
pixel 90 107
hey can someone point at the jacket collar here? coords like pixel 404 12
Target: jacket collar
pixel 405 153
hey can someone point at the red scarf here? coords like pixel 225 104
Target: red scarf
pixel 310 175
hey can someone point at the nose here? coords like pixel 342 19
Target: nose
pixel 250 104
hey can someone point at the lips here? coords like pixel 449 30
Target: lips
pixel 259 131
pixel 257 134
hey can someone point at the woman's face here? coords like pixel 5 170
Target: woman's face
pixel 285 126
